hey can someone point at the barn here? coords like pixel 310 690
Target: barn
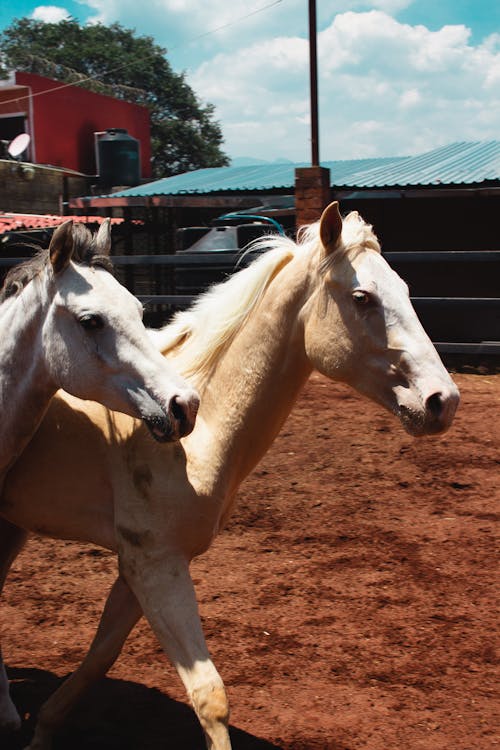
pixel 87 117
pixel 434 213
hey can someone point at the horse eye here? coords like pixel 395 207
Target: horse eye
pixel 360 297
pixel 91 322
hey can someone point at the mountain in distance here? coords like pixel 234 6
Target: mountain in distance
pixel 250 161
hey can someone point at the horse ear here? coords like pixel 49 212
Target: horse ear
pixel 61 246
pixel 330 227
pixel 103 238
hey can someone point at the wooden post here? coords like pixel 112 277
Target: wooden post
pixel 313 84
pixel 312 184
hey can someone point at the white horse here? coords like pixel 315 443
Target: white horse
pixel 71 325
pixel 330 302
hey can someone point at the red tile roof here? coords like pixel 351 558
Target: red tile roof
pixel 19 222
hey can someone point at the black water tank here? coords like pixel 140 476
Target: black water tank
pixel 118 160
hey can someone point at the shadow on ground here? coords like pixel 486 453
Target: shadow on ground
pixel 116 715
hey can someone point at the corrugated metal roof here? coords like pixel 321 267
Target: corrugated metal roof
pixel 456 164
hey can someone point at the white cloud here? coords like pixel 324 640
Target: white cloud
pixel 440 50
pixel 410 98
pixel 50 14
pixel 192 30
pixel 385 88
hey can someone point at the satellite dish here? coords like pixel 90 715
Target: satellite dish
pixel 18 145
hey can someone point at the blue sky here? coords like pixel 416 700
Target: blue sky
pixel 395 76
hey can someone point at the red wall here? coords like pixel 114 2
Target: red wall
pixel 63 122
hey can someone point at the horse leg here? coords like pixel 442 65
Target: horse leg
pixel 165 591
pixel 12 540
pixel 121 613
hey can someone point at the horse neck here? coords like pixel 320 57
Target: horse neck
pixel 253 387
pixel 25 384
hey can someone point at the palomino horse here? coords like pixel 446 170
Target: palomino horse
pixel 71 325
pixel 330 302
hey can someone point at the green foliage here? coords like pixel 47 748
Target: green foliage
pixel 112 60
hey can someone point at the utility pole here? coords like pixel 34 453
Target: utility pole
pixel 312 184
pixel 313 78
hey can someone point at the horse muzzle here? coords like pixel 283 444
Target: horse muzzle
pixel 171 423
pixel 433 414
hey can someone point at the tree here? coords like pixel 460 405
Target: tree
pixel 113 60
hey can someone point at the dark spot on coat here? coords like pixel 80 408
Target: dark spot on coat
pixel 143 479
pixel 135 538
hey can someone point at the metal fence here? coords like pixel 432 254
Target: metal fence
pixel 456 294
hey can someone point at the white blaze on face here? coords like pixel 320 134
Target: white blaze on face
pixel 98 348
pixel 424 395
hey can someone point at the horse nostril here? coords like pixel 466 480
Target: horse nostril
pixel 178 409
pixel 183 411
pixel 434 404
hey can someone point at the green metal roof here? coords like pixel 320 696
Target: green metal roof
pixel 462 163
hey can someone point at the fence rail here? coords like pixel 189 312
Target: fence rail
pixel 455 293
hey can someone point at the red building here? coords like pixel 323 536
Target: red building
pixel 64 122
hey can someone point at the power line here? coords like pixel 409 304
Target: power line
pixel 97 77
pixel 231 23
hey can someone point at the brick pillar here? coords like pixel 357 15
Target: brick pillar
pixel 312 193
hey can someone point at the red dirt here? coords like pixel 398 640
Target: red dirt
pixel 349 604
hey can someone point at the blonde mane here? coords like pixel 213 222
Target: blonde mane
pixel 195 338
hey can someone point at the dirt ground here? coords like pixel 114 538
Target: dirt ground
pixel 349 604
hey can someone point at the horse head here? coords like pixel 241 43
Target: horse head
pixel 92 337
pixel 361 328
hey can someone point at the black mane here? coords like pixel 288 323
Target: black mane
pixel 85 252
